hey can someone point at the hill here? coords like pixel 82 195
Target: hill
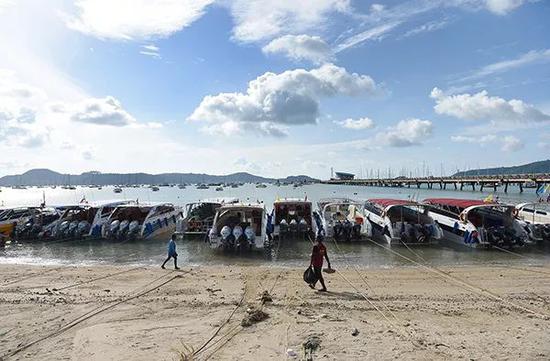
pixel 36 177
pixel 542 166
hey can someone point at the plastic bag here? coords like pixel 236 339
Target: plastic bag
pixel 309 275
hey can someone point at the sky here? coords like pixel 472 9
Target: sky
pixel 273 87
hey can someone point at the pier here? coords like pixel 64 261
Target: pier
pixel 449 182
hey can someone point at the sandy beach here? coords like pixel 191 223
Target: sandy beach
pixel 139 313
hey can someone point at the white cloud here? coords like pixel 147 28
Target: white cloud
pixel 377 7
pixel 426 28
pixel 511 144
pixel 508 143
pixel 150 50
pixel 489 138
pixel 480 106
pixel 406 133
pixel 273 101
pixel 300 47
pixel 356 124
pixel 529 58
pixel 264 19
pixel 134 19
pixel 503 7
pixel 375 33
pixel 102 111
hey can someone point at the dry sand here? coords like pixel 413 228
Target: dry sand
pixel 119 313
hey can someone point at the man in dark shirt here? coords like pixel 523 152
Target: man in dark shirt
pixel 317 257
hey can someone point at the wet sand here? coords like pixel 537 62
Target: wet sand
pixel 125 313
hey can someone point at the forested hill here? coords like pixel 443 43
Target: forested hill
pixel 48 177
pixel 542 166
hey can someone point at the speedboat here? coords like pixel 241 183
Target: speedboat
pixel 117 190
pixel 476 223
pixel 293 217
pixel 11 219
pixel 202 186
pixel 81 220
pixel 342 218
pixel 199 216
pixel 400 221
pixel 240 226
pixel 536 220
pixel 261 185
pixel 142 221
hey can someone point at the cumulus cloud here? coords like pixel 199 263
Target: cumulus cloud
pixel 511 144
pixel 300 47
pixel 273 101
pixel 481 106
pixel 134 19
pixel 102 111
pixel 264 19
pixel 356 124
pixel 508 143
pixel 406 133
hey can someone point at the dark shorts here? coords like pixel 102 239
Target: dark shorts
pixel 318 272
pixel 173 255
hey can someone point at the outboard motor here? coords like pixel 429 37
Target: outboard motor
pixel 228 239
pixel 123 228
pixel 283 227
pixel 302 226
pixel 62 228
pixel 71 230
pixel 113 228
pixel 237 233
pixel 293 226
pixel 82 228
pixel 338 230
pixel 133 229
pixel 347 230
pixel 250 235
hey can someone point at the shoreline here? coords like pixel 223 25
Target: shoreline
pixel 121 312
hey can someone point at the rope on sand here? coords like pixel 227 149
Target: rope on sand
pixel 94 312
pixel 32 276
pixel 466 285
pixel 97 279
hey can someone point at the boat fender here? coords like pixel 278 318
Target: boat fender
pixel 462 217
pixel 514 212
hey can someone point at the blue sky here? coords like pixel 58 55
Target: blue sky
pixel 273 87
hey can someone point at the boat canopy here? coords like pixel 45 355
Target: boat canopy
pixel 388 202
pixel 460 203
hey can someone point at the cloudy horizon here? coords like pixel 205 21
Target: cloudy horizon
pixel 273 88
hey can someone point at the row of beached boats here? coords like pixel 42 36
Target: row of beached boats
pixel 120 220
pixel 228 223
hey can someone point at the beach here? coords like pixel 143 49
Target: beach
pixel 144 313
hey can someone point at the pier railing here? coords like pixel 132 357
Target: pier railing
pixel 458 182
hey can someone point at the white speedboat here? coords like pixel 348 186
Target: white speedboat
pixel 142 221
pixel 536 220
pixel 293 217
pixel 400 221
pixel 81 220
pixel 240 227
pixel 477 224
pixel 199 216
pixel 342 218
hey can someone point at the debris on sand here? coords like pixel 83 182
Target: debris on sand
pixel 266 297
pixel 253 316
pixel 355 332
pixel 310 345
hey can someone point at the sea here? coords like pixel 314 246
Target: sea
pixel 292 253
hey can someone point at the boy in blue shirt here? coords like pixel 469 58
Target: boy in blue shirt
pixel 172 252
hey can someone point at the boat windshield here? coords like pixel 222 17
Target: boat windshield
pixel 201 211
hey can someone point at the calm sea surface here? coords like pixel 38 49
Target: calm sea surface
pixel 296 253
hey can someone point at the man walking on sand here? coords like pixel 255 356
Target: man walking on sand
pixel 318 254
pixel 172 252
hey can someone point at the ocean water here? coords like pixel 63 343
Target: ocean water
pixel 288 253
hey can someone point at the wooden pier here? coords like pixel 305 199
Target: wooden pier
pixel 457 183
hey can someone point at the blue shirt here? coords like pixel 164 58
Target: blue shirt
pixel 171 248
